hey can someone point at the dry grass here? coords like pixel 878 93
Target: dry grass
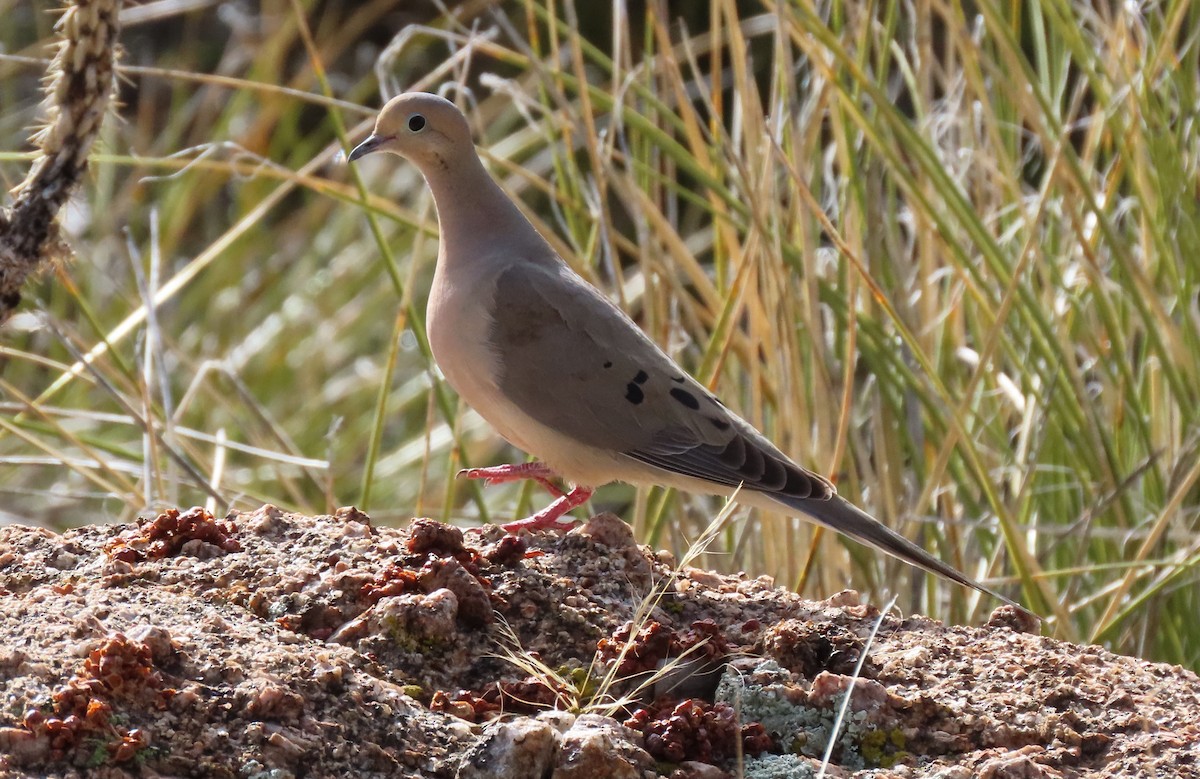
pixel 948 260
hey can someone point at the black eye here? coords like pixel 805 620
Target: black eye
pixel 416 123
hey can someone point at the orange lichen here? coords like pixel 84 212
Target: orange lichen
pixel 167 534
pixel 118 668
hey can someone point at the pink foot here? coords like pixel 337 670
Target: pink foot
pixel 551 516
pixel 501 474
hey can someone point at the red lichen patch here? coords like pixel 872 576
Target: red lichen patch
pixel 637 652
pixel 391 581
pixel 124 667
pixel 426 536
pixel 437 559
pixel 431 548
pixel 130 744
pixel 696 730
pixel 464 704
pixel 195 532
pixel 654 642
pixel 528 696
pixel 82 708
pixel 507 551
pixel 704 639
pixel 430 540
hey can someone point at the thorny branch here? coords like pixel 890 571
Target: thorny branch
pixel 80 84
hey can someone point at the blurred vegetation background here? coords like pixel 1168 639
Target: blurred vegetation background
pixel 945 253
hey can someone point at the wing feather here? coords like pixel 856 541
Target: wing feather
pixel 576 363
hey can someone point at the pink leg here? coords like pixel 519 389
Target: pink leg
pixel 550 516
pixel 500 474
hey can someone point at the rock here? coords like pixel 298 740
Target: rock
pixel 416 618
pixel 522 748
pixel 597 746
pixel 691 769
pixel 253 678
pixel 474 602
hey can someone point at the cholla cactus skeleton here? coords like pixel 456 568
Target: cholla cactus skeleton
pixel 80 84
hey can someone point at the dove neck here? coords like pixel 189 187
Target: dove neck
pixel 473 210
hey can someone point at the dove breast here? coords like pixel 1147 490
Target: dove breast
pixel 461 336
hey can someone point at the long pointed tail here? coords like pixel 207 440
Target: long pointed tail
pixel 847 519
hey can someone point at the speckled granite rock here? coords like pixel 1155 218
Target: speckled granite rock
pixel 271 644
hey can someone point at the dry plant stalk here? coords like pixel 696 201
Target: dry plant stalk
pixel 80 83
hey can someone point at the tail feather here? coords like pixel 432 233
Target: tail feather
pixel 846 518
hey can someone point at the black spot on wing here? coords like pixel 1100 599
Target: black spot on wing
pixel 678 379
pixel 685 397
pixel 608 363
pixel 633 390
pixel 719 423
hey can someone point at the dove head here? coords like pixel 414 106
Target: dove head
pixel 424 128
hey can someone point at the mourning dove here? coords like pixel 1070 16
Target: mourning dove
pixel 564 374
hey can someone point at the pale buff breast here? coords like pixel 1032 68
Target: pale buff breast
pixel 459 331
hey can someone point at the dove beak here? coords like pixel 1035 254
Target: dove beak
pixel 372 143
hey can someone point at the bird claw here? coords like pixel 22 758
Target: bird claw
pixel 479 473
pixel 553 516
pixel 502 474
pixel 537 522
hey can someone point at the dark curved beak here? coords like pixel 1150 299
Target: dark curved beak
pixel 372 143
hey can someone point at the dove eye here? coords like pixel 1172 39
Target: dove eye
pixel 416 123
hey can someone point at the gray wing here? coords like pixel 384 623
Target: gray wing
pixel 576 363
